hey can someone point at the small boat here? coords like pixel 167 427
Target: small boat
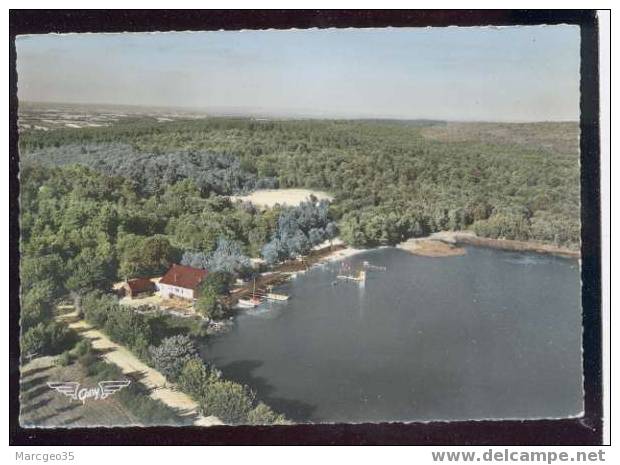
pixel 248 303
pixel 253 302
pixel 274 296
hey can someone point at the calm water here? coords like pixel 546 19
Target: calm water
pixel 491 334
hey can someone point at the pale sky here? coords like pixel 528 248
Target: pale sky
pixel 491 74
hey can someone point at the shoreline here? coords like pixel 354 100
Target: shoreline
pixel 449 244
pixel 428 247
pixel 342 254
pixel 470 238
pixel 437 245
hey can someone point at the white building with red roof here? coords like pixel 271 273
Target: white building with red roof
pixel 181 281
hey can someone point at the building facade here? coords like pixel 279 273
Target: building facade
pixel 181 282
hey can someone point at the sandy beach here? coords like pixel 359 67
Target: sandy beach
pixel 447 244
pixel 428 247
pixel 342 254
pixel 289 197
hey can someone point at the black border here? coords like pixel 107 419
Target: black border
pixel 583 431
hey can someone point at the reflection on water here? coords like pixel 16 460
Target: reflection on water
pixel 490 334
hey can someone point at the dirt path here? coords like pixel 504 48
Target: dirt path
pixel 149 377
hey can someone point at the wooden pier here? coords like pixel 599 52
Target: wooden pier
pixel 260 289
pixel 360 278
pixel 278 297
pixel 370 267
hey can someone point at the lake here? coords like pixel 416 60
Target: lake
pixel 491 334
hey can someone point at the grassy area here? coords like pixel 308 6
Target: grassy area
pixel 44 407
pixel 552 137
pixel 41 406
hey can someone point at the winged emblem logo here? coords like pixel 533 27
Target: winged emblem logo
pixel 103 390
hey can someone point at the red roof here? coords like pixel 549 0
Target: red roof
pixel 184 276
pixel 140 285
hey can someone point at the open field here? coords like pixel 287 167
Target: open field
pixel 49 117
pixel 289 197
pixel 43 407
pixel 548 136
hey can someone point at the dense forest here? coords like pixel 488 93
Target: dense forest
pixel 83 230
pixel 391 180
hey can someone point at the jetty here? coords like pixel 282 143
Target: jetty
pixel 370 267
pixel 261 288
pixel 359 278
pixel 274 296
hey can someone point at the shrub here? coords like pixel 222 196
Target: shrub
pixel 172 354
pixel 59 337
pixel 35 306
pixel 214 285
pixel 195 377
pixel 97 308
pixel 229 401
pixel 199 330
pixel 150 412
pixel 208 305
pixel 32 341
pixel 65 359
pixel 129 328
pixel 82 348
pixel 47 339
pixel 122 324
pixel 263 415
pixel 103 371
pixel 90 362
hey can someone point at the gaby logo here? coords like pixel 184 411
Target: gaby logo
pixel 103 390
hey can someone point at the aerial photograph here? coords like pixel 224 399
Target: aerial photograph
pixel 273 227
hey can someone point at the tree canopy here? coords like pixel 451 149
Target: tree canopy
pixel 436 175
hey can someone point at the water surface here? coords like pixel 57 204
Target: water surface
pixel 491 334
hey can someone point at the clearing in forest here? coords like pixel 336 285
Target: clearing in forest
pixel 289 197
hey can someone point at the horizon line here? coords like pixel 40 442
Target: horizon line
pixel 292 115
